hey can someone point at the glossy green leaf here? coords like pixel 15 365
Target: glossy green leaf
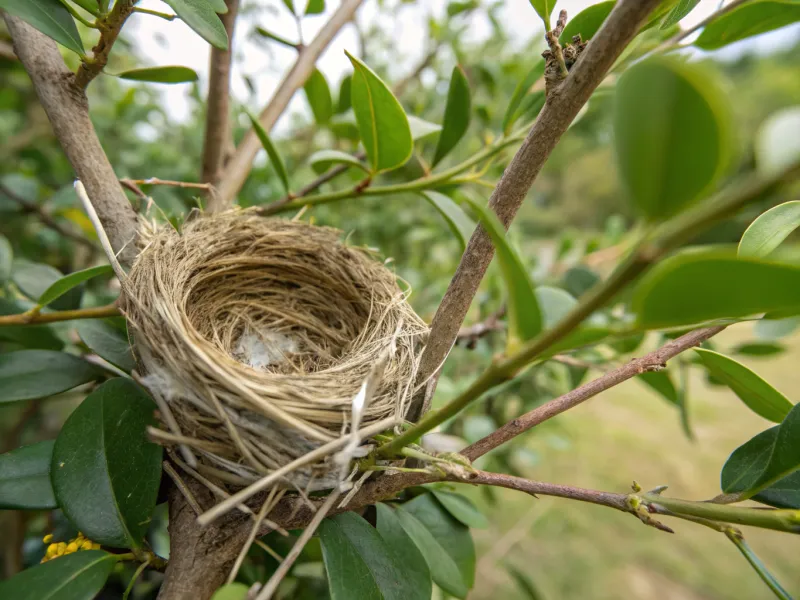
pixel 42 337
pixel 458 221
pixel 344 102
pixel 747 463
pixel 48 16
pixel 554 304
pixel 758 349
pixel 381 120
pixel 681 9
pixel 272 152
pixel 777 144
pixel 773 329
pixel 77 576
pixel 701 285
pixel 671 134
pixel 315 7
pixel 661 382
pixel 522 89
pixel 587 22
pixel 757 394
pixel 90 6
pixel 200 16
pixel 105 472
pixel 322 160
pixel 404 550
pixel 543 8
pixel 171 74
pixel 319 97
pixel 109 340
pixel 66 283
pixel 746 21
pixel 456 115
pixel 524 315
pixel 275 37
pixel 219 6
pixel 34 279
pixel 770 229
pixel 461 508
pixel 231 591
pixel 360 564
pixel 444 542
pixel 768 578
pixel 31 374
pixel 6 256
pixel 420 128
pixel 25 478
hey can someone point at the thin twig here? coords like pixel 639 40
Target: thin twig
pixel 241 163
pixel 182 487
pixel 35 317
pixel 472 333
pixel 189 185
pixel 674 41
pixel 109 27
pixel 45 218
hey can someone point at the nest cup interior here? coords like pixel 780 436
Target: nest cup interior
pixel 254 335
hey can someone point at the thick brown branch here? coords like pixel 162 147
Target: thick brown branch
pixel 559 111
pixel 109 31
pixel 238 168
pixel 68 110
pixel 218 136
pixel 653 361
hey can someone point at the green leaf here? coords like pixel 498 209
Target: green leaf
pixel 290 5
pixel 361 564
pixel 777 144
pixel 700 285
pixel 275 37
pixel 231 591
pixel 757 394
pixel 678 12
pixel 319 97
pixel 524 315
pixel 172 74
pixel 456 115
pixel 272 151
pixel 525 584
pixel 315 7
pixel 458 221
pixel 34 279
pixel 381 120
pixel 219 6
pixel 671 134
pixel 773 329
pixel 770 229
pixel 759 567
pixel 554 304
pixel 77 576
pixel 29 336
pixel 661 382
pixel 50 17
pixel 444 542
pixel 543 9
pixel 461 508
pixel 579 280
pixel 31 374
pixel 746 21
pixel 25 478
pixel 748 461
pixel 344 103
pixel 322 160
pixel 758 349
pixel 90 6
pixel 200 16
pixel 109 340
pixel 420 128
pixel 6 256
pixel 512 111
pixel 68 282
pixel 587 22
pixel 105 472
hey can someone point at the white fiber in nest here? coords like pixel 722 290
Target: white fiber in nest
pixel 260 349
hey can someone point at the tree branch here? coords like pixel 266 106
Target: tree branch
pixel 650 362
pixel 35 317
pixel 238 168
pixel 218 129
pixel 68 110
pixel 558 113
pixel 109 31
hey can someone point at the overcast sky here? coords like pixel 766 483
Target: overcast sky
pixel 161 42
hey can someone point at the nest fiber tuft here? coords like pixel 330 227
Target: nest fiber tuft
pixel 255 335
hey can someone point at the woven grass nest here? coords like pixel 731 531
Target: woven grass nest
pixel 254 335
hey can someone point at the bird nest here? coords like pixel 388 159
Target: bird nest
pixel 256 335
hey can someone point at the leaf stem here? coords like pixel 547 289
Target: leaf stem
pixel 33 317
pixel 74 12
pixel 155 13
pixel 139 570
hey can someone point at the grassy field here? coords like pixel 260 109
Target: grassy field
pixel 574 550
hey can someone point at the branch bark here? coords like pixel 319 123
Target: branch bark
pixel 109 28
pixel 559 111
pixel 218 127
pixel 239 166
pixel 68 110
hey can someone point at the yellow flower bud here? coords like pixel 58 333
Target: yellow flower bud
pixel 71 547
pixel 86 545
pixel 61 548
pixel 48 538
pixel 51 550
pixel 95 546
